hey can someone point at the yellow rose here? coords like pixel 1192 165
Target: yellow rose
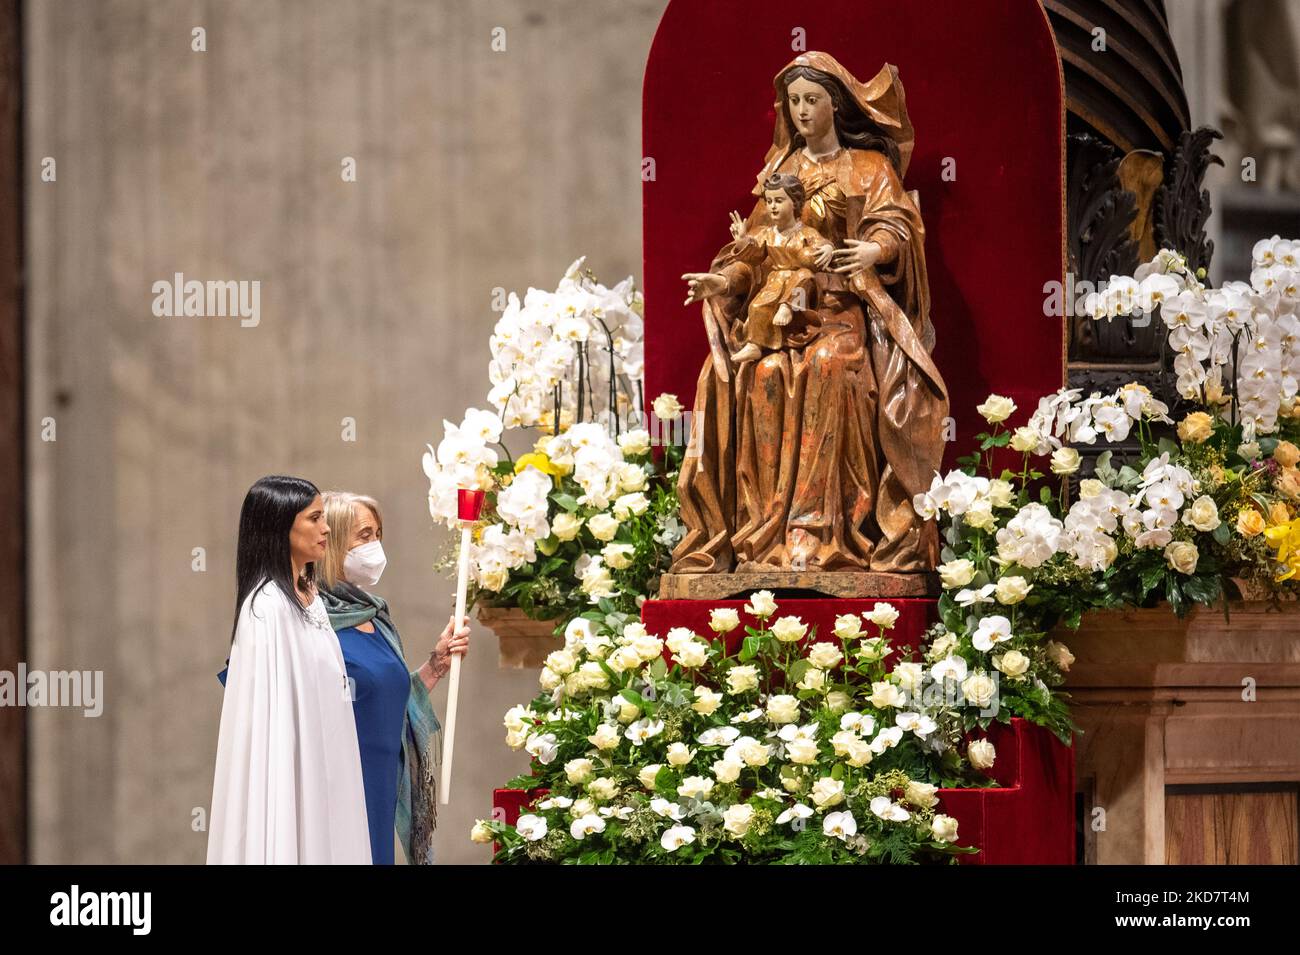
pixel 1196 427
pixel 1286 454
pixel 1288 482
pixel 1250 522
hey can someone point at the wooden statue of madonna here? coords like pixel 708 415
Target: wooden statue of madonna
pixel 819 412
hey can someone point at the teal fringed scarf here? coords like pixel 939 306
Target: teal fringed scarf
pixel 417 786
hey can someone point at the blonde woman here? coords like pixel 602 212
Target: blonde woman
pixel 399 735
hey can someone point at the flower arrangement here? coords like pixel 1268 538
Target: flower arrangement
pixel 1211 504
pixel 788 749
pixel 588 513
pixel 796 749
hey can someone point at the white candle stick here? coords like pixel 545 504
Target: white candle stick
pixel 470 503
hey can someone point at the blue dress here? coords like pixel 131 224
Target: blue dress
pixel 381 685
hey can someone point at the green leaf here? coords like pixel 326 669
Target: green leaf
pixel 565 500
pixel 1222 533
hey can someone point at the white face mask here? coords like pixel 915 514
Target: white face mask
pixel 363 564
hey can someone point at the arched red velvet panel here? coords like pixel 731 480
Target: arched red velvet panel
pixel 984 89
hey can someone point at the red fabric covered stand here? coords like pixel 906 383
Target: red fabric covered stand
pixel 1027 819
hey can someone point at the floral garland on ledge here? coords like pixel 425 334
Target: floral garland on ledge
pixel 797 749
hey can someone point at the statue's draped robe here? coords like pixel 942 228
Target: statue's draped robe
pixel 809 458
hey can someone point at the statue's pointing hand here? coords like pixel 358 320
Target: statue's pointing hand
pixel 702 285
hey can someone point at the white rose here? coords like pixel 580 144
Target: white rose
pixel 812 679
pixel 1182 556
pixel 789 629
pixel 782 708
pixel 956 573
pixel 980 515
pixel 727 770
pixel 1013 663
pixel 761 604
pixel 848 626
pixel 695 787
pixel 981 754
pixel 736 819
pixel 752 752
pixel 618 556
pixel 494 580
pixel 723 619
pixel 979 689
pixel 679 754
pixel 667 407
pixel 883 615
pixel 1001 493
pixel 561 661
pixel 827 792
pixel 692 655
pixel 602 527
pixel 943 828
pixel 706 701
pixel 631 477
pixel 605 737
pixel 635 442
pixel 802 751
pixel 1012 590
pixel 909 676
pixel 1065 461
pixel 742 679
pixel 824 655
pixel 1203 514
pixel 565 526
pixel 603 788
pixel 996 409
pixel 578 770
pixel 885 695
pixel 921 794
pixel 1090 487
pixel 480 833
pixel 837 701
pixel 646 777
pixel 630 504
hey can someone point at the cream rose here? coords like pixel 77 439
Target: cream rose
pixel 1065 461
pixel 602 527
pixel 1203 514
pixel 1182 556
pixel 956 573
pixel 981 754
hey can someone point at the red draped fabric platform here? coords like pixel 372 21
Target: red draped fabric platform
pixel 1027 819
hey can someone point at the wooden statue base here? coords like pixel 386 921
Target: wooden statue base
pixel 845 584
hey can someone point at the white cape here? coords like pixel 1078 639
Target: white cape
pixel 288 786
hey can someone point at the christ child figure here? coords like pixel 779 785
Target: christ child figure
pixel 787 253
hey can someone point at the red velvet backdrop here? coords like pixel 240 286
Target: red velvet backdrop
pixel 984 90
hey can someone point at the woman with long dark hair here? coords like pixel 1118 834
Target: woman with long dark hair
pixel 288 785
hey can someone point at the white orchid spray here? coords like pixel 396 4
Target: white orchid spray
pixel 1189 515
pixel 589 514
